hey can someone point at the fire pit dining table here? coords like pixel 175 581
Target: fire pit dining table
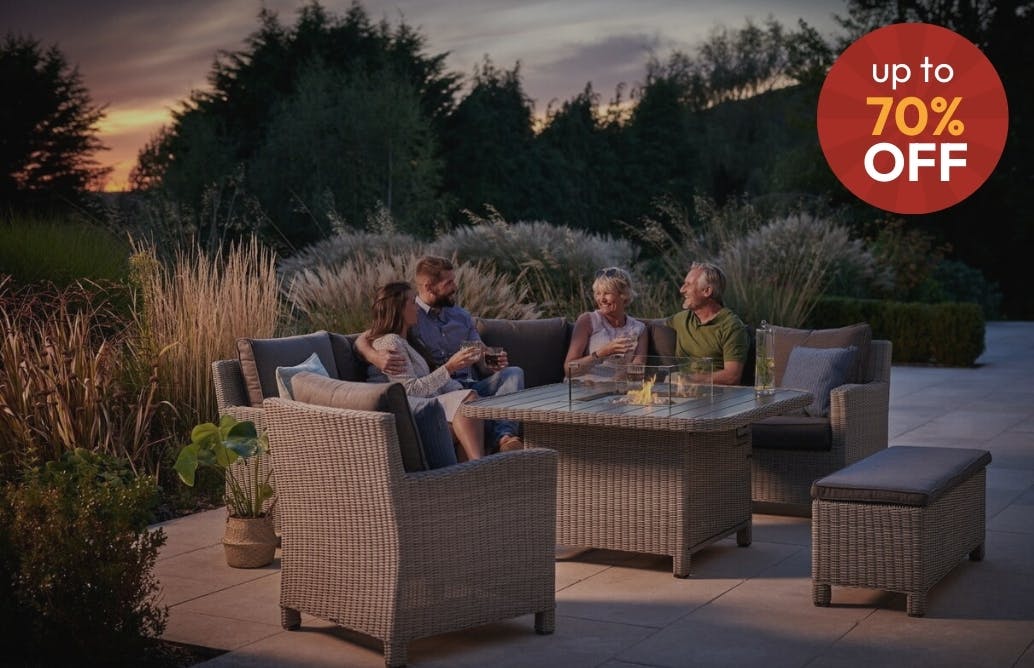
pixel 665 478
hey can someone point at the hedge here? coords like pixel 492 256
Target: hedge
pixel 946 334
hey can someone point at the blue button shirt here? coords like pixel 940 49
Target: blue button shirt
pixel 443 333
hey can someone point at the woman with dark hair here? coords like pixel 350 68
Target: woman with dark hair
pixel 394 314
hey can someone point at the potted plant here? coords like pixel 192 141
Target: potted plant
pixel 249 540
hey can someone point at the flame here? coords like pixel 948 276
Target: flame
pixel 643 397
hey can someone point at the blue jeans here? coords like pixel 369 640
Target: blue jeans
pixel 504 381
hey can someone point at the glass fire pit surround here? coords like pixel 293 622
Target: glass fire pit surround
pixel 657 381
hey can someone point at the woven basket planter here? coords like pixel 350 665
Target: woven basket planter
pixel 250 542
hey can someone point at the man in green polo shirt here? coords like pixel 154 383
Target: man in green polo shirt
pixel 706 328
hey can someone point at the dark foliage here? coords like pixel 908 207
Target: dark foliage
pixel 75 565
pixel 49 126
pixel 944 334
pixel 218 132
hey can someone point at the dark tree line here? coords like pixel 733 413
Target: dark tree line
pixel 337 120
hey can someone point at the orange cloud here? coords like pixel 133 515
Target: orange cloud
pixel 125 131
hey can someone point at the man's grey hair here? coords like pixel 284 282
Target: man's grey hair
pixel 712 275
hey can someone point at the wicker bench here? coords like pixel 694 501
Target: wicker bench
pixel 898 520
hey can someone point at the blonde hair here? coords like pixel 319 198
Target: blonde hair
pixel 616 280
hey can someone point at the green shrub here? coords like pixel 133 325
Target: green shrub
pixel 60 250
pixel 909 255
pixel 949 334
pixel 76 559
pixel 958 282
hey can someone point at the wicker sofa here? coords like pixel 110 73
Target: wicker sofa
pixel 789 452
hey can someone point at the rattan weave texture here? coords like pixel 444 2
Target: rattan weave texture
pixel 905 549
pixel 646 479
pixel 397 555
pixel 858 419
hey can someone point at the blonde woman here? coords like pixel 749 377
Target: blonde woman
pixel 607 335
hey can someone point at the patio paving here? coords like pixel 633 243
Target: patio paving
pixel 743 607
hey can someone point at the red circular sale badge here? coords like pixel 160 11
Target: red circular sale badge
pixel 912 118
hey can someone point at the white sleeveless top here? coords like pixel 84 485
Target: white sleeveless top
pixel 603 333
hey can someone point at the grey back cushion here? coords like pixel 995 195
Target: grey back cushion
pixel 391 398
pixel 259 359
pixel 537 346
pixel 858 335
pixel 350 364
pixel 818 370
pixel 662 338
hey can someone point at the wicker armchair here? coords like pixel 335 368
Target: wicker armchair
pixel 858 422
pixel 399 556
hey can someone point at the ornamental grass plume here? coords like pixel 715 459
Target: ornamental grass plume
pixel 779 271
pixel 70 378
pixel 195 308
pixel 776 268
pixel 555 262
pixel 340 298
pixel 347 245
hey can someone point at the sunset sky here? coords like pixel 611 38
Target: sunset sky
pixel 141 57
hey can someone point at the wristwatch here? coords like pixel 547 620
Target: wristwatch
pixel 595 356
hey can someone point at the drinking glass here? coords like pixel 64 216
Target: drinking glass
pixel 471 343
pixel 492 355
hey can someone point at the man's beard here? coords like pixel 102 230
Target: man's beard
pixel 443 301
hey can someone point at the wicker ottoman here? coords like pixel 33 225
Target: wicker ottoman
pixel 898 520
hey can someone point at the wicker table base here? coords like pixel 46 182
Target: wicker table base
pixel 667 479
pixel 645 490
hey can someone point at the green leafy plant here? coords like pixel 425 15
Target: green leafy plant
pixel 219 447
pixel 76 564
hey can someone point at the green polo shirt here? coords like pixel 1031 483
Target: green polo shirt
pixel 723 338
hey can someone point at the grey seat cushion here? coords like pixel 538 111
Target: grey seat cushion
pixel 902 475
pixel 537 346
pixel 792 432
pixel 311 388
pixel 259 359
